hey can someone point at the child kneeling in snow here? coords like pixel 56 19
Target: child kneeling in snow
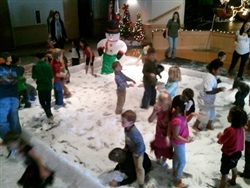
pixel 126 165
pixel 36 174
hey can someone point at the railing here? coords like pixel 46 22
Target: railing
pixel 164 14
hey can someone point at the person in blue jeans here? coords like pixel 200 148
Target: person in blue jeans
pixel 172 28
pixel 9 102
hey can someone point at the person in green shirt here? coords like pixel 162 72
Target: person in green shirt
pixel 22 90
pixel 172 28
pixel 42 73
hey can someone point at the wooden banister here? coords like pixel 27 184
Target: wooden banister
pixel 164 14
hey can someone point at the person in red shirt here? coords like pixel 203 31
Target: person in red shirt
pixel 56 67
pixel 232 141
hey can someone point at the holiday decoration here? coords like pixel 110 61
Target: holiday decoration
pixel 111 47
pixel 126 25
pixel 138 31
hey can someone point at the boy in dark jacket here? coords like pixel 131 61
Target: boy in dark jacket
pixel 150 70
pixel 126 165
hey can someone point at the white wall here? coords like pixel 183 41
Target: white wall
pixel 22 11
pixel 153 8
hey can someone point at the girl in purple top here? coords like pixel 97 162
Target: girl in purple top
pixel 179 136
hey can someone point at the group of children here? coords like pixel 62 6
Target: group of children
pixel 174 112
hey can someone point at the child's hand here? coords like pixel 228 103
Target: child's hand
pixel 131 85
pixel 159 88
pixel 222 89
pixel 191 139
pixel 156 108
pixel 152 75
pixel 113 183
pixel 219 135
pixel 133 82
pixel 44 173
pixel 168 143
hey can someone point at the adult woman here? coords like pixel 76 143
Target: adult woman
pixel 241 48
pixel 173 27
pixel 49 19
pixel 57 31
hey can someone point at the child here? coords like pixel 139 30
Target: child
pixel 43 74
pixel 189 94
pixel 232 140
pixel 246 172
pixel 75 54
pixel 143 54
pixel 206 97
pixel 174 77
pixel 22 89
pixel 36 174
pixel 243 91
pixel 161 111
pixel 9 102
pixel 222 57
pixel 66 79
pixel 179 137
pixel 126 165
pixel 134 143
pixel 149 79
pixel 56 67
pixel 31 92
pixel 121 81
pixel 89 54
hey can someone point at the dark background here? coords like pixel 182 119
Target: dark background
pixel 199 15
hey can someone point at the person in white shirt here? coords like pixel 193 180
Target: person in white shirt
pixel 241 49
pixel 206 97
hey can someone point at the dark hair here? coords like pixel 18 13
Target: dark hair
pixel 56 12
pixel 51 14
pixel 151 50
pixel 189 93
pixel 242 28
pixel 150 45
pixel 214 65
pixel 76 43
pixel 15 59
pixel 12 136
pixel 115 64
pixel 41 54
pixel 117 155
pixel 180 101
pixel 85 43
pixel 178 20
pixel 238 117
pixel 221 53
pixel 129 115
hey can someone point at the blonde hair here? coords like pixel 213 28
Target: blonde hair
pixel 174 74
pixel 56 53
pixel 164 96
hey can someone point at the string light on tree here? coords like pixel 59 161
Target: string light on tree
pixel 138 31
pixel 126 25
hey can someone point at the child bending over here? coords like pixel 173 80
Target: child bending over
pixel 36 174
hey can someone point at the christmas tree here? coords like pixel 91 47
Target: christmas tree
pixel 126 25
pixel 138 31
